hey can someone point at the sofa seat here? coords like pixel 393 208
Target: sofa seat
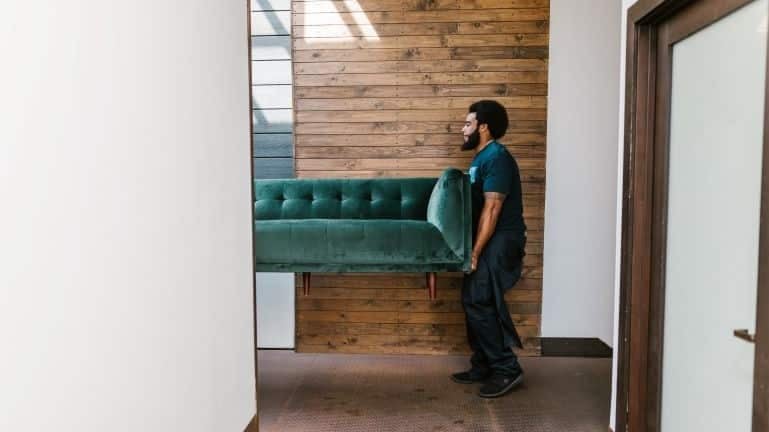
pixel 349 244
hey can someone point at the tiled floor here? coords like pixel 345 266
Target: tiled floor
pixel 344 392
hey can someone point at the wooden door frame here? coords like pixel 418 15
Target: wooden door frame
pixel 649 38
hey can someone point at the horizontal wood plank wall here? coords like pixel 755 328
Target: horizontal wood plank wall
pixel 381 88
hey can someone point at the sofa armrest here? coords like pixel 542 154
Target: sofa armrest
pixel 449 210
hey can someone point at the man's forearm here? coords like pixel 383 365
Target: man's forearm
pixel 492 206
pixel 486 225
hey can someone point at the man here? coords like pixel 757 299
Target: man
pixel 498 250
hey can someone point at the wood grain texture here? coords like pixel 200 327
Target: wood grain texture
pixel 470 90
pixel 421 53
pixel 336 6
pixel 404 127
pixel 418 140
pixel 352 18
pixel 367 42
pixel 442 78
pixel 421 29
pixel 488 65
pixel 381 89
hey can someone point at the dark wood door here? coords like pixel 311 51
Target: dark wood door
pixel 695 284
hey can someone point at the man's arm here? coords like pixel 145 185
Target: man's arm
pixel 492 206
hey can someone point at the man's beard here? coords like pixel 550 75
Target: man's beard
pixel 473 140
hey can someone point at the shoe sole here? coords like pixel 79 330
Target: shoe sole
pixel 461 381
pixel 516 382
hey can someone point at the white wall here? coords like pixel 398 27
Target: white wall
pixel 581 200
pixel 125 230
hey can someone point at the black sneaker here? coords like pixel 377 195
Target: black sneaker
pixel 498 385
pixel 470 377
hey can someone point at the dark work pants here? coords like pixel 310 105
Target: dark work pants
pixel 490 330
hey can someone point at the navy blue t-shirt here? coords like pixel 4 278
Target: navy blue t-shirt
pixel 494 169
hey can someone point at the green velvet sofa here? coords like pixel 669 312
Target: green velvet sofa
pixel 363 225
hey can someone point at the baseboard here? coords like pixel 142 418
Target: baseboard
pixel 253 425
pixel 574 347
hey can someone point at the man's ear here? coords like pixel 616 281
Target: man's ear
pixel 483 127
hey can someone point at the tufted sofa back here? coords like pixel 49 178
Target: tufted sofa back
pixel 405 198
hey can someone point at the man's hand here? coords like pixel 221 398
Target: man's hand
pixel 473 263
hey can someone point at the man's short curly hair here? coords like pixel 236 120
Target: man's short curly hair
pixel 492 114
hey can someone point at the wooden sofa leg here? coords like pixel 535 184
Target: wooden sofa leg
pixel 306 283
pixel 431 285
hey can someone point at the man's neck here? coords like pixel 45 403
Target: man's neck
pixel 483 146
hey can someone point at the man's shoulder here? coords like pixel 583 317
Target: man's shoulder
pixel 500 155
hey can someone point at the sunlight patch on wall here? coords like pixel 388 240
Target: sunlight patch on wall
pixel 324 20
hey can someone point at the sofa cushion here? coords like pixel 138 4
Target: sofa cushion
pixel 342 198
pixel 350 241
